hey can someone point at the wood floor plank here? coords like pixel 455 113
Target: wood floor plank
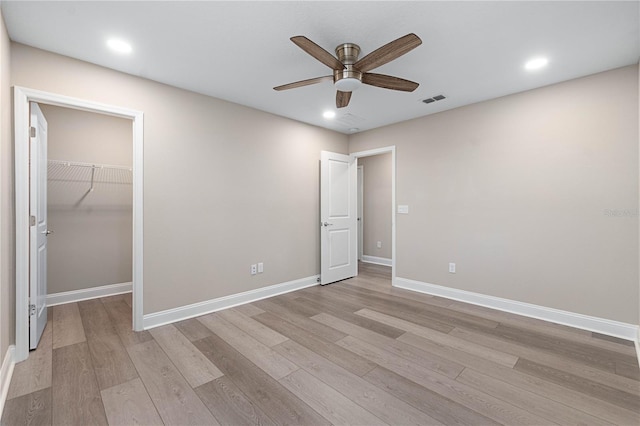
pixel 249 309
pixel 596 407
pixel 194 366
pixel 331 404
pixel 76 397
pixel 333 309
pixel 422 318
pixel 67 325
pixel 600 391
pixel 334 353
pixel 263 356
pixel 565 364
pixel 542 327
pixel 380 403
pixel 33 409
pixel 313 327
pixel 616 340
pixel 536 404
pixel 441 314
pixel 630 371
pixel 192 329
pixel 95 319
pixel 611 413
pixel 404 351
pixel 129 404
pixel 172 396
pixel 230 405
pixel 110 360
pixel 271 397
pixel 442 338
pixel 253 328
pixel 441 408
pixel 35 372
pixel 120 314
pixel 584 353
pixel 484 404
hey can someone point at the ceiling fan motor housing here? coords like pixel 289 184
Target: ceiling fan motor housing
pixel 347 79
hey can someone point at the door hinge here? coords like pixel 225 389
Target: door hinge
pixel 32 132
pixel 32 309
pixel 32 220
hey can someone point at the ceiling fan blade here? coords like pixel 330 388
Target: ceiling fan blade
pixel 389 82
pixel 388 52
pixel 342 99
pixel 318 52
pixel 304 83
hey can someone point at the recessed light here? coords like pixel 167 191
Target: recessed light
pixel 353 129
pixel 329 114
pixel 119 46
pixel 536 64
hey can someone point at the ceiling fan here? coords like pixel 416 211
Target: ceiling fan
pixel 349 72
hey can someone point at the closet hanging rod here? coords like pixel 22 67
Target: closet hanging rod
pixel 90 165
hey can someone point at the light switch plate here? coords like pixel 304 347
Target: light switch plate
pixel 403 209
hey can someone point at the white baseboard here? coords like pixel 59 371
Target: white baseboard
pixel 189 311
pixel 377 260
pixel 571 319
pixel 6 371
pixel 87 293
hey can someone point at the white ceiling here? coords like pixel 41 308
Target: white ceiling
pixel 238 51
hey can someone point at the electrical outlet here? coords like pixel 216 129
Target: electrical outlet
pixel 254 269
pixel 260 267
pixel 452 268
pixel 379 244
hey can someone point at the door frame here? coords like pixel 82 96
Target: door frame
pixel 22 96
pixel 360 209
pixel 384 150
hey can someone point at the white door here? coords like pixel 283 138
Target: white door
pixel 338 217
pixel 38 231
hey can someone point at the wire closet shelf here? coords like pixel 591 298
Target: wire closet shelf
pixel 91 173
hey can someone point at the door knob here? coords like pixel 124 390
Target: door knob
pixel 47 232
pixel 327 224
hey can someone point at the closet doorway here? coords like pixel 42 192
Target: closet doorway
pixel 94 207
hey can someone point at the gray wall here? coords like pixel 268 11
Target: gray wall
pixel 225 186
pixel 7 231
pixel 376 205
pixel 532 195
pixel 92 241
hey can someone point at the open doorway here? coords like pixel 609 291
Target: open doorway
pixel 71 174
pixel 376 207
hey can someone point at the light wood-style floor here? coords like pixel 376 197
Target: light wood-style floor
pixel 356 352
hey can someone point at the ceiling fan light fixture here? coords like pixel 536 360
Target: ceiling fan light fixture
pixel 348 84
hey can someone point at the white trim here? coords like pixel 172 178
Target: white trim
pixel 22 96
pixel 571 319
pixel 189 311
pixel 63 297
pixel 385 150
pixel 377 260
pixel 637 345
pixel 6 372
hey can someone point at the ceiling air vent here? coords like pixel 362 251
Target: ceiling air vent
pixel 435 98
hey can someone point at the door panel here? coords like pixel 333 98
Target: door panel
pixel 38 232
pixel 338 215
